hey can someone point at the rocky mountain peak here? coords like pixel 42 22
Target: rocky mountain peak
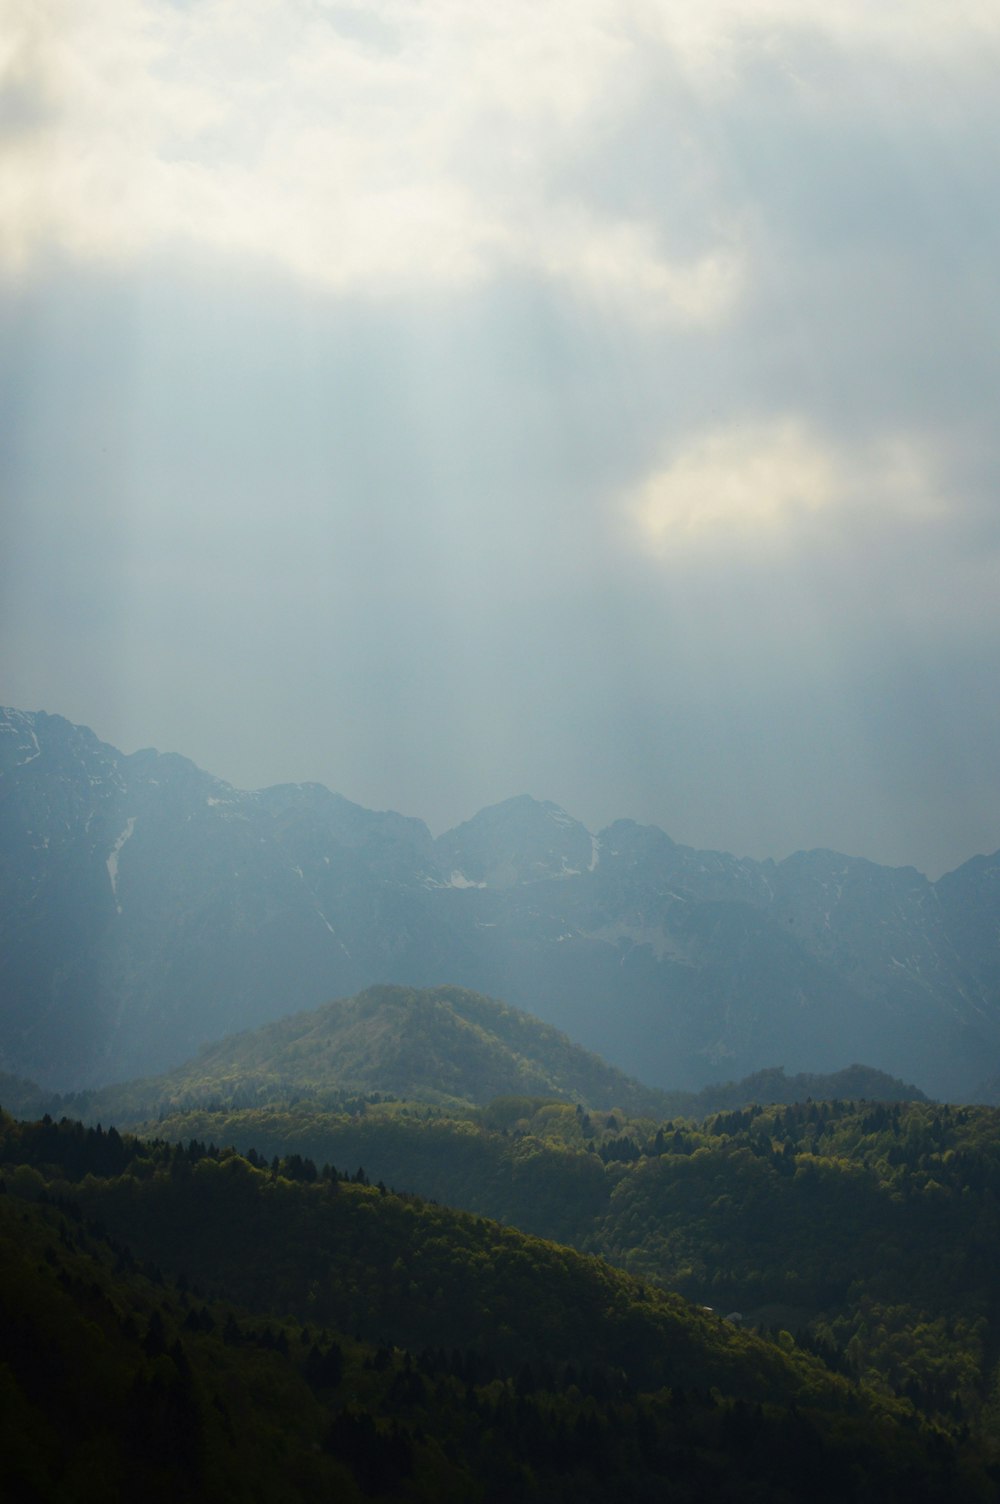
pixel 521 840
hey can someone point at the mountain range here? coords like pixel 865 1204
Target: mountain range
pixel 147 907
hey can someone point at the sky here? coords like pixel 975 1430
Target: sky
pixel 442 401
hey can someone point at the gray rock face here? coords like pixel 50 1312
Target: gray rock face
pixel 519 841
pixel 147 907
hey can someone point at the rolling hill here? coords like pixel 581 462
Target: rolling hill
pixel 181 1323
pixel 440 1044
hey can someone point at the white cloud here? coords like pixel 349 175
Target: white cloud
pixel 361 148
pixel 760 483
pixel 749 478
pixel 386 145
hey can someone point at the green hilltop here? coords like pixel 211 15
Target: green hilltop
pixel 442 1045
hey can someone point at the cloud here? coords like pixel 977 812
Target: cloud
pixel 750 479
pixel 386 147
pixel 610 383
pixel 759 483
pixel 364 150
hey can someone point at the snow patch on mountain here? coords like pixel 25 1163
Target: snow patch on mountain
pixel 112 861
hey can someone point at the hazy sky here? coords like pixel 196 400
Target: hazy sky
pixel 444 400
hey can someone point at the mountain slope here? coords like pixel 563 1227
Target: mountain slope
pixel 441 1045
pixel 507 1367
pixel 438 1044
pixel 871 1227
pixel 146 906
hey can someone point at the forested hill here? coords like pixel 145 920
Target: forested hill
pixel 868 1229
pixel 442 1045
pixel 181 1323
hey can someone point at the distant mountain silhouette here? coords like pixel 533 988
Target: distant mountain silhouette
pixel 147 907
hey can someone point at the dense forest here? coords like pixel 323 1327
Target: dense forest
pixel 182 1321
pixel 866 1230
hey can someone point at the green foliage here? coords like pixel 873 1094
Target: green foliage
pixel 443 1045
pixel 809 1217
pixel 118 1387
pixel 272 1327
